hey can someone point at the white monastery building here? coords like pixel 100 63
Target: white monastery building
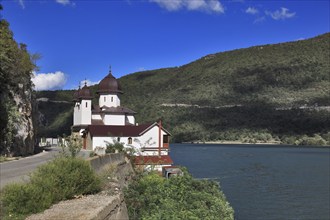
pixel 109 122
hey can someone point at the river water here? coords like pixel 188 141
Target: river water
pixel 264 181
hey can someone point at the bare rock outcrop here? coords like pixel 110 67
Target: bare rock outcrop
pixel 24 141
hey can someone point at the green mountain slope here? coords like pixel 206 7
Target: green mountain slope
pixel 253 94
pixel 287 73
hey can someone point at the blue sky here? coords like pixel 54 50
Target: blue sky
pixel 80 39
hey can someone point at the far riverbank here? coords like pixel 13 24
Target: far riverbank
pixel 228 142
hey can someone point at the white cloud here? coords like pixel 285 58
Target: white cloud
pixel 302 38
pixel 281 14
pixel 88 82
pixel 216 6
pixel 195 4
pixel 251 10
pixel 21 3
pixel 140 69
pixel 65 2
pixel 191 5
pixel 49 81
pixel 171 5
pixel 62 2
pixel 259 19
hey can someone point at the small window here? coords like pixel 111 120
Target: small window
pixel 166 139
pixel 129 140
pixel 118 139
pixel 105 98
pixel 86 104
pixel 111 99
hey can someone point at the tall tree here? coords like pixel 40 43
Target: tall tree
pixel 16 67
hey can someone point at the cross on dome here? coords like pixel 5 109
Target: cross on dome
pixel 109 84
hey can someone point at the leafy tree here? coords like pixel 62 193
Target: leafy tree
pixel 71 145
pixel 115 147
pixel 16 65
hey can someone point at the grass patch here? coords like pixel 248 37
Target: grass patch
pixel 4 159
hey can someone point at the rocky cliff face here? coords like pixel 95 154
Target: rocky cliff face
pixel 19 111
pixel 24 140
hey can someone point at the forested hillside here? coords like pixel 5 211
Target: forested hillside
pixel 263 93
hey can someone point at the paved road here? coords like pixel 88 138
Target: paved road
pixel 18 170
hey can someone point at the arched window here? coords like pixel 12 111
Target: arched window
pixel 130 140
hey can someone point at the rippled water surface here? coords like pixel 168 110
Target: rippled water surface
pixel 264 181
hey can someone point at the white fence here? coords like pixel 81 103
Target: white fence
pixel 43 142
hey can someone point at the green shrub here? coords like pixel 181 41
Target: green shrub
pixel 113 147
pixel 22 199
pixel 326 137
pixel 118 147
pixel 67 177
pixel 60 179
pixel 153 197
pixel 316 140
pixel 72 145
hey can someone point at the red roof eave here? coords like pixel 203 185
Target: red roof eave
pixel 153 160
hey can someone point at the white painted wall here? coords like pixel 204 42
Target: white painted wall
pixel 154 167
pixel 109 100
pixel 96 117
pixel 76 115
pixel 86 112
pixel 148 140
pixel 151 137
pixel 131 119
pixel 114 119
pixel 101 141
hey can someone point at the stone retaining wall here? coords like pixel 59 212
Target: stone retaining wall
pixel 92 207
pixel 98 162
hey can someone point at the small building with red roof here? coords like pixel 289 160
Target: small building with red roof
pixel 109 122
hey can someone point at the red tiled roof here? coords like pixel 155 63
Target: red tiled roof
pixel 97 122
pixel 78 127
pixel 163 159
pixel 118 131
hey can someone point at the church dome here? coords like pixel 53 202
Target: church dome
pixel 109 85
pixel 85 93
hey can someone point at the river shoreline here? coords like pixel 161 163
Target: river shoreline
pixel 259 143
